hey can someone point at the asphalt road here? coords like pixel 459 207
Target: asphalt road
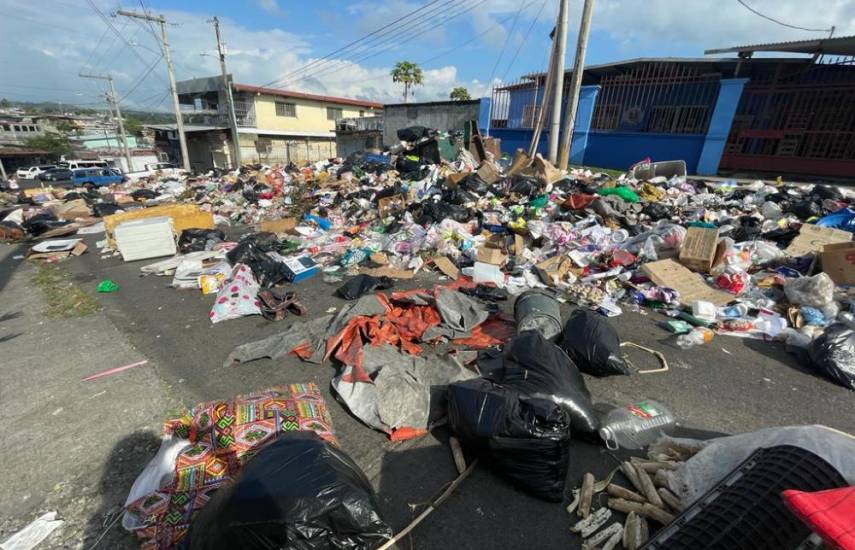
pixel 727 386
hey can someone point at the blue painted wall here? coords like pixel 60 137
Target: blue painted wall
pixel 720 123
pixel 517 138
pixel 620 150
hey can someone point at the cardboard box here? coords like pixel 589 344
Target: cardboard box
pixel 299 268
pixel 699 248
pixel 691 286
pixel 282 225
pixel 488 172
pixel 491 255
pixel 454 178
pixel 811 239
pixel 554 269
pixel 387 271
pixel 447 267
pixel 838 261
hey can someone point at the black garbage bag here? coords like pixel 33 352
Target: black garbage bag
pixel 363 284
pixel 805 209
pixel 536 367
pixel 488 293
pixel 656 210
pixel 413 133
pixel 196 240
pixel 526 185
pixel 832 354
pixel 143 194
pixel 826 192
pixel 526 439
pixel 102 209
pixel 474 184
pixel 458 196
pixel 748 229
pixel 252 251
pixel 593 344
pixel 42 222
pixel 297 493
pixel 435 212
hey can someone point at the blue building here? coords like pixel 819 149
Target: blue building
pixel 793 115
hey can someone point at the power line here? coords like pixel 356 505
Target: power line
pixel 142 77
pixel 773 20
pixel 349 45
pixel 384 49
pixel 505 43
pixel 525 39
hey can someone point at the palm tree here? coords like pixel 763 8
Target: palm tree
pixel 409 73
pixel 459 94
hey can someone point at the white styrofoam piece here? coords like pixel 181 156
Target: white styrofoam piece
pixel 146 238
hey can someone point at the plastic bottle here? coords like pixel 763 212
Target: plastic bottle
pixel 698 335
pixel 636 426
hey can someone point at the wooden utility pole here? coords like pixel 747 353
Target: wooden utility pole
pixel 227 87
pixel 113 101
pixel 167 55
pixel 576 84
pixel 558 79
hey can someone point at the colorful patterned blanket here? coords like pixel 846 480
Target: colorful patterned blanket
pixel 224 435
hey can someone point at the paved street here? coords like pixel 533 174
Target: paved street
pixel 730 385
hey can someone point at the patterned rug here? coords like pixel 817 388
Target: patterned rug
pixel 224 436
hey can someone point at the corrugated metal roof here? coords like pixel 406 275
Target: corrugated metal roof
pixel 303 95
pixel 842 45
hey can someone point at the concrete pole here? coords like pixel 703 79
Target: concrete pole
pixel 115 101
pixel 576 84
pixel 230 102
pixel 3 171
pixel 167 55
pixel 558 80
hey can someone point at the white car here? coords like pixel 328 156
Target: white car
pixel 33 171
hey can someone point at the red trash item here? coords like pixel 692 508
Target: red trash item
pixel 578 201
pixel 830 514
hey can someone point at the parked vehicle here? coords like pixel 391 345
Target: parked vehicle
pixel 77 164
pixel 33 171
pixel 55 174
pixel 155 168
pixel 96 177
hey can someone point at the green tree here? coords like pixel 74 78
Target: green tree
pixel 66 127
pixel 407 73
pixel 4 103
pixel 459 94
pixel 56 144
pixel 133 126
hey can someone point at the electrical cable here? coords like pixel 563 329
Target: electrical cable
pixel 773 20
pixel 140 79
pixel 525 39
pixel 349 45
pixel 413 35
pixel 505 44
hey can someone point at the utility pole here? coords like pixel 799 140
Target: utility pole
pixel 576 84
pixel 113 101
pixel 558 80
pixel 227 86
pixel 167 55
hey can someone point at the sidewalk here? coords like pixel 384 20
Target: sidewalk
pixel 70 446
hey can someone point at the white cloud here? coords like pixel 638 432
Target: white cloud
pixel 67 40
pixel 270 6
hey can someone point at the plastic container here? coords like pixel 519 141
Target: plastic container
pixel 745 510
pixel 636 426
pixel 698 335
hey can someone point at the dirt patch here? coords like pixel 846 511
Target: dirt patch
pixel 64 298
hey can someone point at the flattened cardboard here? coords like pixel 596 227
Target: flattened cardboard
pixel 379 258
pixel 691 286
pixel 812 238
pixel 490 255
pixel 699 248
pixel 389 205
pixel 838 262
pixel 447 267
pixel 519 244
pixel 282 225
pixel 387 271
pixel 455 177
pixel 488 172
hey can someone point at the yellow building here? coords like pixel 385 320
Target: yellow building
pixel 274 125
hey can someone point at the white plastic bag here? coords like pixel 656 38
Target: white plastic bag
pixel 816 291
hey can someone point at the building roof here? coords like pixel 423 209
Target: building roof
pixel 187 127
pixel 842 45
pixel 302 95
pixel 435 103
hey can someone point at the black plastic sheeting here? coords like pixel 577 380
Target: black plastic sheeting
pixel 196 240
pixel 252 250
pixel 833 354
pixel 526 439
pixel 363 284
pixel 298 493
pixel 593 344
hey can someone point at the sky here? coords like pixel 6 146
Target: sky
pixel 309 45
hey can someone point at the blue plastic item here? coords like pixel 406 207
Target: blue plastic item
pixel 842 219
pixel 813 316
pixel 323 223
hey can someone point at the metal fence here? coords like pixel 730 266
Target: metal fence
pixel 657 97
pixel 517 104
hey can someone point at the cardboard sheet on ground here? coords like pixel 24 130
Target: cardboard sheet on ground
pixel 691 286
pixel 812 238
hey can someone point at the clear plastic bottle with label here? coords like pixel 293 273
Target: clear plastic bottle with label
pixel 636 426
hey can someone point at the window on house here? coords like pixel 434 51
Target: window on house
pixel 7 128
pixel 286 109
pixel 529 115
pixel 17 128
pixel 361 113
pixel 334 113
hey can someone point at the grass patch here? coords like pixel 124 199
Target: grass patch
pixel 64 298
pixel 608 171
